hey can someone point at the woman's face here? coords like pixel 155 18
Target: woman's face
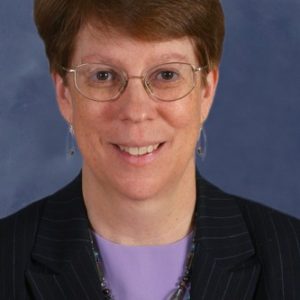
pixel 107 131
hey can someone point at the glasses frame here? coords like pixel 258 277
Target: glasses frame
pixel 126 79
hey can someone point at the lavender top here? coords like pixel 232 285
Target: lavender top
pixel 143 272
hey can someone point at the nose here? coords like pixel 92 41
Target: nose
pixel 135 103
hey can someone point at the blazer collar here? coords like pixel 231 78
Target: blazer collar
pixel 224 248
pixel 224 260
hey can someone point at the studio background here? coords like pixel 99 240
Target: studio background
pixel 252 132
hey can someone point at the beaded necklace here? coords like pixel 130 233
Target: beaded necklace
pixel 181 288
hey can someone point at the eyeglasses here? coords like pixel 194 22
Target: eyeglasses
pixel 166 82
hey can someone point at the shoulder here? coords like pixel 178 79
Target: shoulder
pixel 18 235
pixel 19 229
pixel 268 225
pixel 24 221
pixel 27 219
pixel 264 223
pixel 275 237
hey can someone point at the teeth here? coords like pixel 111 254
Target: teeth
pixel 135 151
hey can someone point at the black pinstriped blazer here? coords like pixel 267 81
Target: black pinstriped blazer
pixel 244 250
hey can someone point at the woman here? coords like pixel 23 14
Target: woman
pixel 135 81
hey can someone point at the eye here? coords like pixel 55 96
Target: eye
pixel 167 75
pixel 100 76
pixel 103 75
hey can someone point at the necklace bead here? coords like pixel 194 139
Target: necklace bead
pixel 182 286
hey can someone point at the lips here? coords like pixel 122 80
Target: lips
pixel 138 151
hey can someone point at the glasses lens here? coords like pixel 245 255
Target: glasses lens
pixel 99 82
pixel 170 81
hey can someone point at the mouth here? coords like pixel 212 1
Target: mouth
pixel 139 151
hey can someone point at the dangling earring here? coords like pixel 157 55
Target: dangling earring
pixel 71 145
pixel 202 144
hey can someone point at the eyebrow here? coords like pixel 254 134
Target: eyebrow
pixel 97 58
pixel 91 58
pixel 174 55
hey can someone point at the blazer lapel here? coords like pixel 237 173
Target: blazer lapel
pixel 225 266
pixel 63 265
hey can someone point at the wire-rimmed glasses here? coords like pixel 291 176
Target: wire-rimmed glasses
pixel 166 82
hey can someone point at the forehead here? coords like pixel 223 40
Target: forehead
pixel 94 45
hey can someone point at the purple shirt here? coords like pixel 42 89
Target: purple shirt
pixel 143 272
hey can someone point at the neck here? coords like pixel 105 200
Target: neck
pixel 164 218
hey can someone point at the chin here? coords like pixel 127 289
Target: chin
pixel 141 189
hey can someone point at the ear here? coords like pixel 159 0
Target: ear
pixel 63 97
pixel 208 93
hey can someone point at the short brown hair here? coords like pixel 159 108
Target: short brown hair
pixel 59 21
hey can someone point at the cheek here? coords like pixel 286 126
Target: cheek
pixel 90 114
pixel 185 113
pixel 86 122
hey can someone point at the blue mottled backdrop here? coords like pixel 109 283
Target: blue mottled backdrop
pixel 253 130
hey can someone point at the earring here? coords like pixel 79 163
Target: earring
pixel 202 144
pixel 71 129
pixel 71 145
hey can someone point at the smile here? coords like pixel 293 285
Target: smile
pixel 137 151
